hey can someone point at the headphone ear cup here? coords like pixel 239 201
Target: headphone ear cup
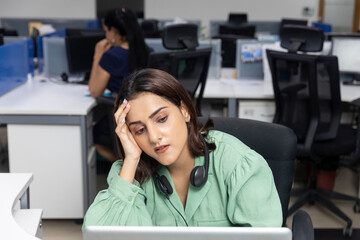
pixel 163 185
pixel 198 176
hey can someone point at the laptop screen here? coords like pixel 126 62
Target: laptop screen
pixel 185 233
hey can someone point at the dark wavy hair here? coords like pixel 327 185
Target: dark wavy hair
pixel 125 21
pixel 166 86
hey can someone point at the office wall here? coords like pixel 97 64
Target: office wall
pixel 206 10
pixel 339 13
pixel 80 9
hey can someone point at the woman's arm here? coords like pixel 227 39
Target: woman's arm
pixel 122 204
pixel 253 198
pixel 99 78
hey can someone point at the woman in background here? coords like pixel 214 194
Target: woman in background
pixel 120 53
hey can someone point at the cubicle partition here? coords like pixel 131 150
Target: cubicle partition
pixel 16 62
pixel 249 59
pixel 215 58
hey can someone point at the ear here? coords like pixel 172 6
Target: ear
pixel 185 112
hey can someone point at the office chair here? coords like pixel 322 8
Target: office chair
pixel 310 103
pixel 150 28
pixel 237 18
pixel 187 64
pixel 279 154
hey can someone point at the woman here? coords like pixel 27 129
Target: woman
pixel 121 52
pixel 161 141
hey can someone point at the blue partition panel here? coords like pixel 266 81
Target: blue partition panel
pixel 323 26
pixel 40 49
pixel 14 65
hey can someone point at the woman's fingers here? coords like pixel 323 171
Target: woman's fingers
pixel 121 113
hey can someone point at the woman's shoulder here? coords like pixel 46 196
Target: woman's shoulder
pixel 231 152
pixel 117 52
pixel 225 139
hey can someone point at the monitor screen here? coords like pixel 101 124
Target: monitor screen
pixel 347 49
pixel 80 52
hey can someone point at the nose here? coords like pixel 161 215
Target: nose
pixel 154 134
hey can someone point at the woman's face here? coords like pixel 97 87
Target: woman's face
pixel 159 128
pixel 111 34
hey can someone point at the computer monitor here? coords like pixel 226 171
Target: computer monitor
pixel 80 52
pixel 286 21
pixel 239 30
pixel 8 32
pixel 347 49
pixel 189 233
pixel 83 32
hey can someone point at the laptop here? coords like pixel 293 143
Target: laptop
pixel 185 233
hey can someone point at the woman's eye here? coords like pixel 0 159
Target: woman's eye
pixel 140 131
pixel 163 119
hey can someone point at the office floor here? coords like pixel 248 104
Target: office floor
pixel 346 182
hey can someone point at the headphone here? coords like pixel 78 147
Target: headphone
pixel 198 176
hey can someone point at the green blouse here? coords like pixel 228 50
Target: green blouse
pixel 240 191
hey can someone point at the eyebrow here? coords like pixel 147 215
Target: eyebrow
pixel 151 116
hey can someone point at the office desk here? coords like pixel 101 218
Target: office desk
pixel 237 90
pixel 17 222
pixel 49 128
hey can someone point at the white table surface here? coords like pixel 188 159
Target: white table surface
pixel 259 89
pixel 40 96
pixel 12 187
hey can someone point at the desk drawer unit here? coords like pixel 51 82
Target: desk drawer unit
pixel 257 110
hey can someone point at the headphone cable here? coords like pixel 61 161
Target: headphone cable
pixel 167 197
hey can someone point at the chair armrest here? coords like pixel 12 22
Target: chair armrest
pixel 293 89
pixel 356 102
pixel 302 227
pixel 106 100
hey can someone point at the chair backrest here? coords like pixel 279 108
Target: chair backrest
pixel 237 18
pixel 150 28
pixel 187 64
pixel 306 87
pixel 279 153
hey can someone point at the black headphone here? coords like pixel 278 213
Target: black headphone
pixel 198 176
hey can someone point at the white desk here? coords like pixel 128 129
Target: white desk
pixel 235 90
pixel 49 129
pixel 17 223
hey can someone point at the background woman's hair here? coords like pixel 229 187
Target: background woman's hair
pixel 125 21
pixel 166 86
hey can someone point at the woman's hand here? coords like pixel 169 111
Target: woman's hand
pixel 131 149
pixel 101 47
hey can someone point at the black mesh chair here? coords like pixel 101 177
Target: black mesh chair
pixel 279 154
pixel 308 100
pixel 186 63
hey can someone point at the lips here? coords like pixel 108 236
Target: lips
pixel 161 149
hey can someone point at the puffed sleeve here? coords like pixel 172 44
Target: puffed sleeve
pixel 253 198
pixel 122 204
